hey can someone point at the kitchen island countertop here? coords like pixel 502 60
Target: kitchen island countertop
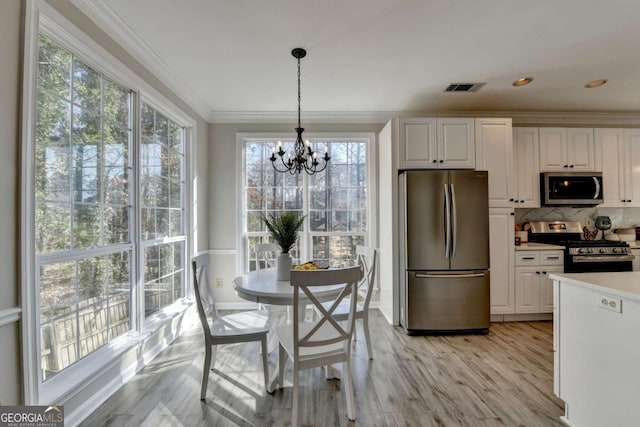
pixel 624 284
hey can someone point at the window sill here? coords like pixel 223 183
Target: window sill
pixel 75 378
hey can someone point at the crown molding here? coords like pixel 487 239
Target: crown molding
pixel 307 116
pixel 520 118
pixel 107 20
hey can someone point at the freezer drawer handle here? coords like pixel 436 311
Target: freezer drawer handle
pixel 448 276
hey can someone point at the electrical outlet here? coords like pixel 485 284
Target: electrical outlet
pixel 218 282
pixel 613 304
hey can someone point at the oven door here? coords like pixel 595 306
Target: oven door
pixel 597 263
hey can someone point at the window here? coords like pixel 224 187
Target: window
pixel 335 201
pixel 89 225
pixel 162 209
pixel 82 208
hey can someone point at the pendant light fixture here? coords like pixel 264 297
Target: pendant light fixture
pixel 303 158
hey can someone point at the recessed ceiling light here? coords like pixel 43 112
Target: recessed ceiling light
pixel 523 81
pixel 595 83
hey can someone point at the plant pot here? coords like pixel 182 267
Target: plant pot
pixel 283 266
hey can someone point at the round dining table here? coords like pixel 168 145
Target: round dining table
pixel 262 286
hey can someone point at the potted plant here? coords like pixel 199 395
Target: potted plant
pixel 284 230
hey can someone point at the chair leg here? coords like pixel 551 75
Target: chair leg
pixel 265 363
pixel 367 335
pixel 282 359
pixel 295 412
pixel 205 372
pixel 348 391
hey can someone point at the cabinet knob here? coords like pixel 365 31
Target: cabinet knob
pixel 629 200
pixel 511 200
pixel 565 166
pixel 435 161
pixel 441 161
pixel 521 201
pixel 544 272
pixel 537 272
pixel 513 213
pixel 571 166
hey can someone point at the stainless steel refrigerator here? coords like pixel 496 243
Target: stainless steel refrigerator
pixel 444 251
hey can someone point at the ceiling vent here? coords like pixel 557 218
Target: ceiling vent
pixel 464 87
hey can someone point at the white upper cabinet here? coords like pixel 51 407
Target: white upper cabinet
pixel 436 143
pixel 567 149
pixel 494 153
pixel 418 143
pixel 619 150
pixel 526 161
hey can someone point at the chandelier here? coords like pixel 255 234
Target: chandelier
pixel 303 158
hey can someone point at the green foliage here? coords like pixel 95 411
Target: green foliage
pixel 284 228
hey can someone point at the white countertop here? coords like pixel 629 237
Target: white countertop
pixel 624 284
pixel 537 247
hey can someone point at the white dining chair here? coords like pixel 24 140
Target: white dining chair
pixel 266 254
pixel 323 341
pixel 233 328
pixel 367 258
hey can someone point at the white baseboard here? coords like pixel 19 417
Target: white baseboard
pixel 526 317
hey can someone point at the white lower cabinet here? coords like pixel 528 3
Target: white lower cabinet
pixel 501 238
pixel 636 260
pixel 533 288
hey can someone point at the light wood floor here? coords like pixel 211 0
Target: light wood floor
pixel 504 378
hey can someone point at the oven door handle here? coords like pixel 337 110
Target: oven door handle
pixel 603 258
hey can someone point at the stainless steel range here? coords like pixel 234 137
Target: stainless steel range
pixel 582 256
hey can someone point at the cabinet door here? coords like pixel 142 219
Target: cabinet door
pixel 632 161
pixel 417 148
pixel 456 143
pixel 527 284
pixel 610 145
pixel 494 153
pixel 546 297
pixel 501 253
pixel 581 149
pixel 636 260
pixel 527 167
pixel 553 149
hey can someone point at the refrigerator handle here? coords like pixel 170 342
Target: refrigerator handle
pixel 454 221
pixel 449 276
pixel 447 222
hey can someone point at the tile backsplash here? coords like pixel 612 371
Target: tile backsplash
pixel 620 217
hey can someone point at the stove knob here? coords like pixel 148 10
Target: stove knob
pixel 602 250
pixel 616 250
pixel 580 251
pixel 590 250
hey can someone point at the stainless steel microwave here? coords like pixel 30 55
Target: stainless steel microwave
pixel 571 188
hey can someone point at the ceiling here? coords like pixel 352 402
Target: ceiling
pixel 371 56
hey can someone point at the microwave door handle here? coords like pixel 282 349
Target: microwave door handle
pixel 447 222
pixel 595 196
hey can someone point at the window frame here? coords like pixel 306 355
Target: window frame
pixel 370 235
pixel 42 18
